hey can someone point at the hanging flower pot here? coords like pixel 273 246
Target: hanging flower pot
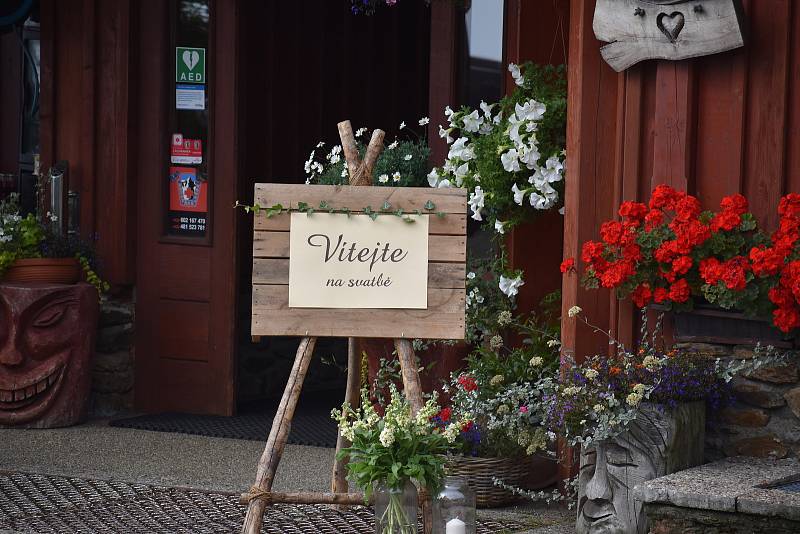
pixel 44 270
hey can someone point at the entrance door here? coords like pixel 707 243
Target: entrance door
pixel 186 257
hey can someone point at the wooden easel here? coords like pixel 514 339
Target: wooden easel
pixel 261 494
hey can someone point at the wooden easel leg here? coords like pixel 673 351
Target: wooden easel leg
pixel 268 463
pixel 413 390
pixel 352 397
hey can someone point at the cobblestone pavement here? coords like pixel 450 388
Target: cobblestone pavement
pixel 58 504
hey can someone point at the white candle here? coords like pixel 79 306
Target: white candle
pixel 455 526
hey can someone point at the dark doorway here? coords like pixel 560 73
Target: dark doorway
pixel 304 67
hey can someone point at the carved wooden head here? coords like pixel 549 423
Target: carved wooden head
pixel 658 442
pixel 47 335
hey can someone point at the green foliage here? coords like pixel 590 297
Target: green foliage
pixel 393 447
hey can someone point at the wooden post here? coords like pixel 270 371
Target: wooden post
pixel 268 463
pixel 413 390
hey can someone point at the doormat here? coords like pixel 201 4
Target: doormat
pixel 311 425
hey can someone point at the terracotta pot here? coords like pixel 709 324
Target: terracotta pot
pixel 44 270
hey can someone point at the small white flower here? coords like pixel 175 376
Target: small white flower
pixel 573 311
pixel 633 399
pixel 470 275
pixel 423 121
pixel 598 407
pixel 591 374
pixel 553 343
pixel 433 177
pixel 407 157
pixel 396 177
pixel 360 132
pixel 476 202
pixel 510 160
pixel 322 143
pixel 499 227
pixel 472 121
pixel 402 125
pixel 392 145
pixel 445 134
pixel 387 436
pixel 510 286
pixel 536 361
pixel 383 178
pixel 515 73
pixel 519 194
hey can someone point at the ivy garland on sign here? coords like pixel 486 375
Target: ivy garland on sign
pixel 324 206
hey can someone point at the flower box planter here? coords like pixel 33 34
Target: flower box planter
pixel 660 441
pixel 530 472
pixel 711 324
pixel 44 271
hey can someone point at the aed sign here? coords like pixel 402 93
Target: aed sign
pixel 341 261
pixel 190 65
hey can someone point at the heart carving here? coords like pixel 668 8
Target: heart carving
pixel 671 25
pixel 191 57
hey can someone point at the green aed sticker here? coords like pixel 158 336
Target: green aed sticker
pixel 190 65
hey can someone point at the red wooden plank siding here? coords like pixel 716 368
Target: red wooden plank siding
pixel 793 128
pixel 766 107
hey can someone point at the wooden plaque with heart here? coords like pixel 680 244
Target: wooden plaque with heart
pixel 637 30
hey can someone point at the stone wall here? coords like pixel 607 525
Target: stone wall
pixel 112 369
pixel 764 418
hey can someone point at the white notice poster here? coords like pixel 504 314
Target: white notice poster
pixel 336 261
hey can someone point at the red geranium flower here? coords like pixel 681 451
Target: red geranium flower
pixel 660 295
pixel 766 261
pixel 653 219
pixel 445 414
pixel 567 265
pixel 734 273
pixel 725 220
pixel 735 203
pixel 633 211
pixel 681 265
pixel 612 232
pixel 679 291
pixel 591 251
pixel 687 208
pixel 664 197
pixel 642 295
pixel 787 319
pixel 468 383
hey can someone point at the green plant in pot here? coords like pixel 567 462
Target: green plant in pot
pixel 31 250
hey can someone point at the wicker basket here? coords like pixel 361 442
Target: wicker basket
pixel 479 473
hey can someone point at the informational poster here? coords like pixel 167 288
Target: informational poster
pixel 188 202
pixel 186 151
pixel 190 64
pixel 191 97
pixel 341 261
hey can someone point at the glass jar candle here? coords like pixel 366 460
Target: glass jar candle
pixel 454 508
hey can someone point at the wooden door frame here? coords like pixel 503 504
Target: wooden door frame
pixel 154 85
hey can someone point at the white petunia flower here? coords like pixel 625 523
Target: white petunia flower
pixel 472 121
pixel 460 173
pixel 519 195
pixel 445 134
pixel 444 183
pixel 532 110
pixel 460 150
pixel 515 73
pixel 470 275
pixel 433 177
pixel 383 178
pixel 407 157
pixel 499 227
pixel 423 121
pixel 510 286
pixel 476 202
pixel 487 109
pixel 510 160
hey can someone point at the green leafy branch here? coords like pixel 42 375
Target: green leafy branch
pixel 324 206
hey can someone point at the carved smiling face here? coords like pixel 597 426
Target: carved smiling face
pixel 46 342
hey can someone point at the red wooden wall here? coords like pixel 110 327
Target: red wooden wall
pixel 86 119
pixel 715 125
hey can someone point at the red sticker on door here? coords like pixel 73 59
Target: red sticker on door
pixel 186 150
pixel 187 192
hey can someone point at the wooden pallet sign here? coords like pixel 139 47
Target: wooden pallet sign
pixel 397 273
pixel 666 29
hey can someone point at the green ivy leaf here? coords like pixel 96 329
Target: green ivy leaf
pixel 430 206
pixel 386 206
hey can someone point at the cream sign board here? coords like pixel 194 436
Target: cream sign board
pixel 341 261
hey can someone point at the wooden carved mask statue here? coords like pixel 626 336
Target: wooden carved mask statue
pixel 47 338
pixel 660 441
